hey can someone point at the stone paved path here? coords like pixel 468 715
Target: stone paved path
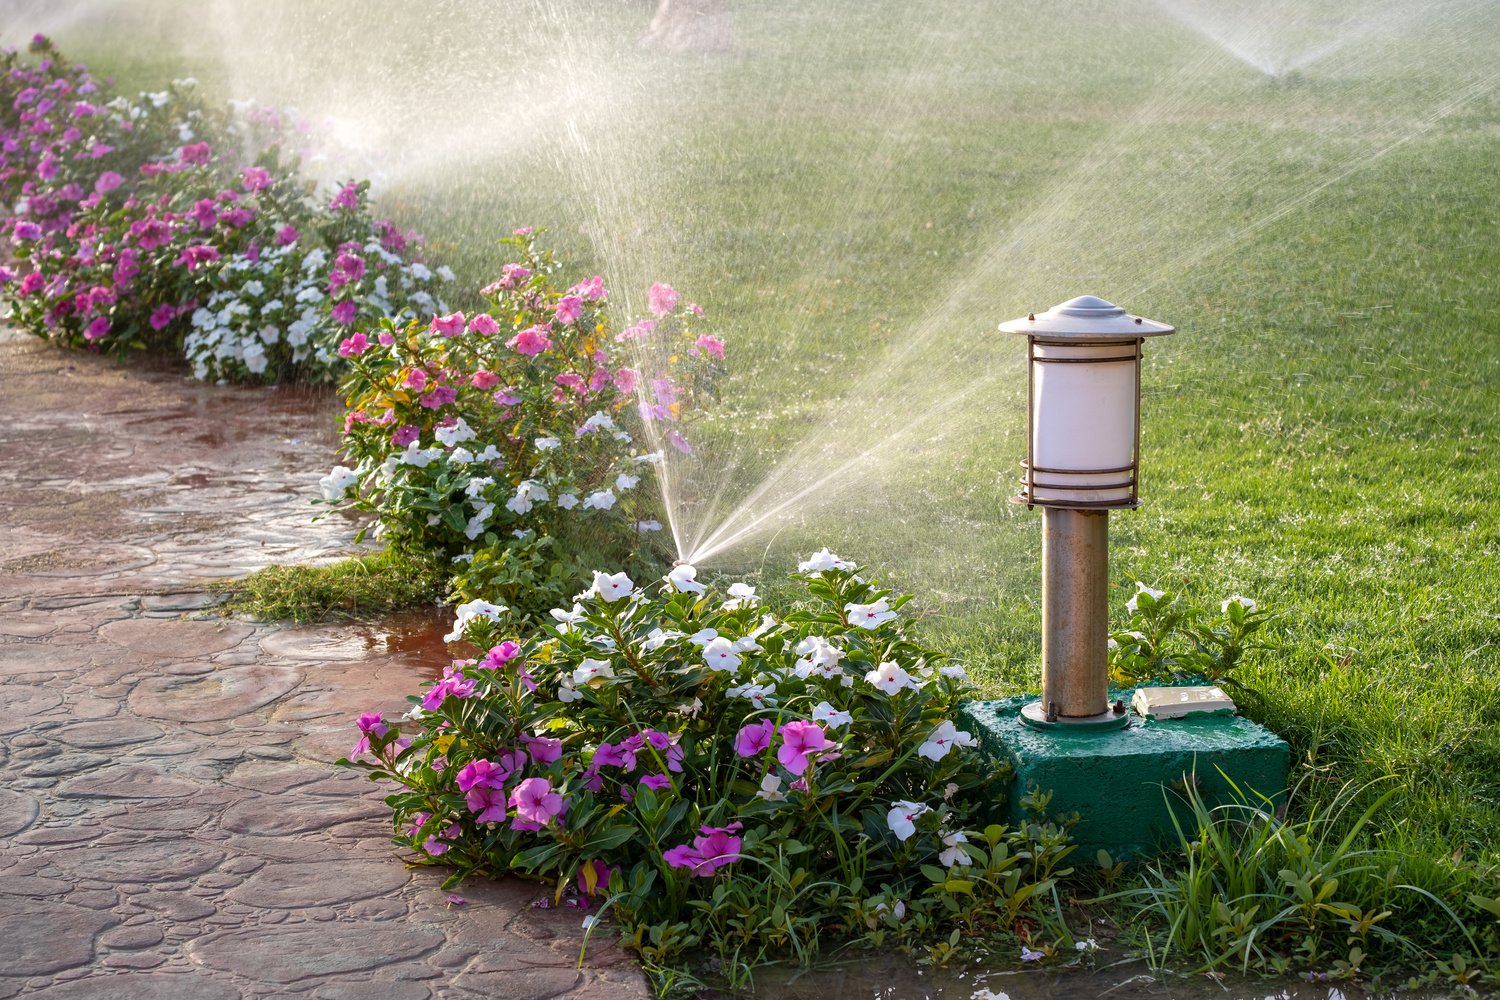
pixel 170 824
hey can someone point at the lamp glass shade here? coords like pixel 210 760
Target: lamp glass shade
pixel 1083 422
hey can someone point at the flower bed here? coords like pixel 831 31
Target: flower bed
pixel 716 772
pixel 161 222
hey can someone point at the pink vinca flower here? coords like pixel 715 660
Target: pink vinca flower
pixel 712 346
pixel 754 738
pixel 530 341
pixel 569 308
pixel 799 742
pixel 450 325
pixel 353 346
pixel 662 299
pixel 483 324
pixel 536 802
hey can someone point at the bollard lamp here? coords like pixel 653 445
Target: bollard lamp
pixel 1083 393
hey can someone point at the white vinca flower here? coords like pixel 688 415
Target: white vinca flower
pixel 684 579
pixel 760 695
pixel 703 637
pixel 890 678
pixel 645 527
pixel 567 501
pixel 624 482
pixel 869 615
pixel 473 611
pixel 528 492
pixel 822 561
pixel 566 692
pixel 741 595
pixel 942 739
pixel 770 788
pixel 546 443
pixel 593 673
pixel 829 717
pixel 610 587
pixel 1244 602
pixel 602 500
pixel 658 638
pixel 455 434
pixel 1141 588
pixel 902 819
pixel 720 655
pixel 597 422
pixel 337 482
pixel 952 854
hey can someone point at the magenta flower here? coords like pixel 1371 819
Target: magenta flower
pixel 662 299
pixel 198 152
pixel 619 755
pixel 352 264
pixel 255 178
pixel 500 655
pixel 353 346
pixel 490 803
pixel 656 782
pixel 544 750
pixel 438 397
pixel 26 231
pixel 712 346
pixel 483 774
pixel 570 380
pixel 238 218
pixel 483 324
pixel 591 290
pixel 569 308
pixel 161 316
pixel 416 379
pixel 344 313
pixel 197 254
pixel 530 341
pixel 450 325
pixel 452 685
pixel 484 379
pixel 754 738
pixel 536 802
pixel 405 435
pixel 286 235
pixel 107 182
pixel 594 876
pixel 506 397
pixel 347 198
pixel 712 850
pixel 626 379
pixel 98 328
pixel 800 740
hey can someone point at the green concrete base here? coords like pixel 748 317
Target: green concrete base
pixel 1127 783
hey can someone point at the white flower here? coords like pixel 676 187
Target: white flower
pixel 720 655
pixel 337 483
pixel 657 639
pixel 703 637
pixel 1088 944
pixel 1027 955
pixel 1244 602
pixel 599 421
pixel 821 561
pixel 1141 588
pixel 489 454
pixel 760 695
pixel 741 595
pixel 476 524
pixel 624 482
pixel 683 579
pixel 890 678
pixel 527 493
pixel 647 526
pixel 255 288
pixel 461 456
pixel 476 487
pixel 255 357
pixel 472 611
pixel 593 672
pixel 546 443
pixel 569 617
pixel 420 272
pixel 902 819
pixel 601 500
pixel 612 587
pixel 869 615
pixel 942 739
pixel 770 788
pixel 955 671
pixel 269 334
pixel 952 854
pixel 566 692
pixel 651 458
pixel 446 273
pixel 455 434
pixel 818 656
pixel 416 455
pixel 829 717
pixel 567 501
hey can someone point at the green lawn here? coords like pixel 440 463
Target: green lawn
pixel 861 192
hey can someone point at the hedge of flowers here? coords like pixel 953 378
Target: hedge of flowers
pixel 159 221
pixel 519 442
pixel 716 772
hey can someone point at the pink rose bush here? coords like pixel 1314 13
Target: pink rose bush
pixel 603 750
pixel 503 442
pixel 163 222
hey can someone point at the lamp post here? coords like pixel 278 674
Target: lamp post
pixel 1083 393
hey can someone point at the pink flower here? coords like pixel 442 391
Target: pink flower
pixel 754 738
pixel 530 341
pixel 343 314
pixel 712 346
pixel 286 235
pixel 679 442
pixel 26 231
pixel 570 380
pixel 536 802
pixel 352 264
pixel 438 397
pixel 523 231
pixel 405 435
pixel 385 338
pixel 483 379
pixel 197 254
pixel 800 740
pixel 483 774
pixel 543 749
pixel 642 329
pixel 569 308
pixel 347 198
pixel 662 299
pixel 712 850
pixel 255 178
pixel 450 325
pixel 416 379
pixel 353 346
pixel 594 876
pixel 107 182
pixel 591 290
pixel 161 316
pixel 98 328
pixel 198 152
pixel 483 324
pixel 500 655
pixel 656 782
pixel 490 803
pixel 506 397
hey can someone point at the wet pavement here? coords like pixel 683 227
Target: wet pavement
pixel 171 824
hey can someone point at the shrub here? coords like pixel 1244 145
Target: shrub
pixel 719 773
pixel 1168 640
pixel 509 441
